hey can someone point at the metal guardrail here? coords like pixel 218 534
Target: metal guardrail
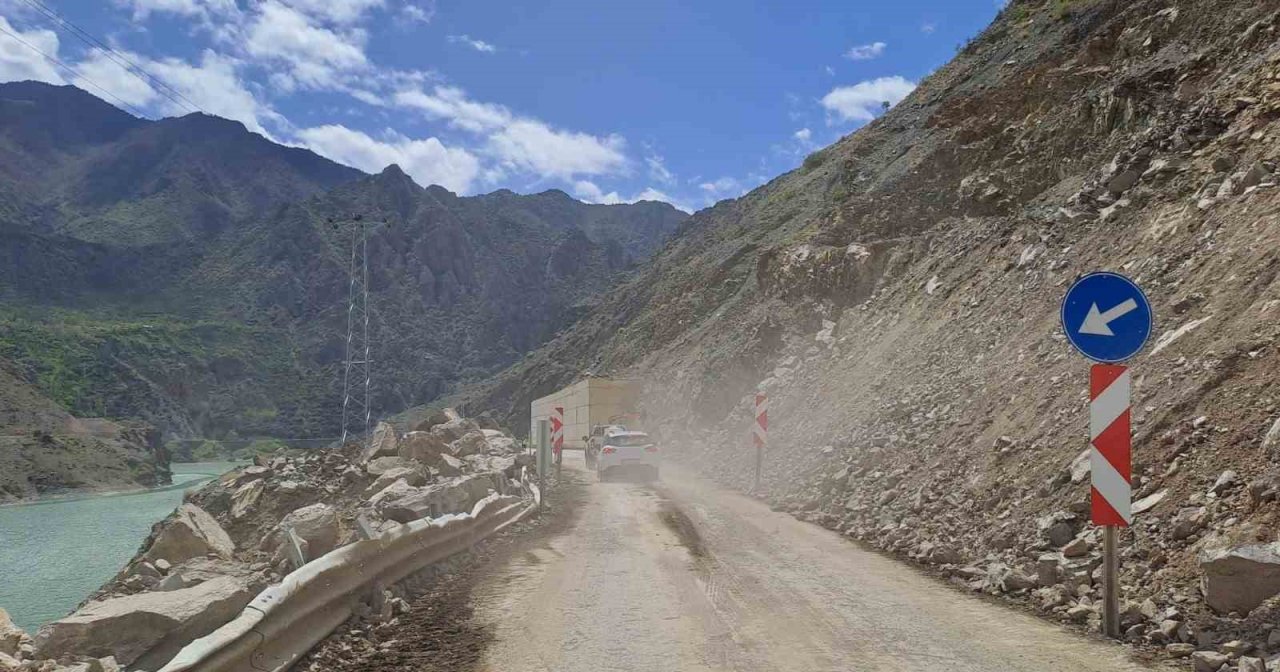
pixel 286 620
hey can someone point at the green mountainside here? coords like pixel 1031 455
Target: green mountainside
pixel 192 274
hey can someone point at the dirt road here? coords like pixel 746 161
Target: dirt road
pixel 682 575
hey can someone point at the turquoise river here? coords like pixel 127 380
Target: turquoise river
pixel 54 553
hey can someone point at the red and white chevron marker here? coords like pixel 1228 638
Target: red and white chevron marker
pixel 557 430
pixel 760 431
pixel 1109 434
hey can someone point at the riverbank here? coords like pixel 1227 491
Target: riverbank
pixel 57 551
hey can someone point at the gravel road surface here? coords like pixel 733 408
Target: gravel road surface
pixel 683 575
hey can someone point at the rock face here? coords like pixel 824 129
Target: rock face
pixel 454 496
pixel 11 636
pixel 382 444
pixel 203 564
pixel 914 391
pixel 145 630
pixel 479 264
pixel 46 450
pixel 192 533
pixel 316 524
pixel 199 570
pixel 1239 577
pixel 246 497
pixel 423 446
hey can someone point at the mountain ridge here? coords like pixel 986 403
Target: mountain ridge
pixel 193 274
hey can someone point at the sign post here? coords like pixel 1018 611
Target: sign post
pixel 1108 319
pixel 557 436
pixel 760 431
pixel 544 459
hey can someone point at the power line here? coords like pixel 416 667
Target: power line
pixel 116 57
pixel 71 70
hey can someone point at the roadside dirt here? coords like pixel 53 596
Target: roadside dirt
pixel 439 634
pixel 685 575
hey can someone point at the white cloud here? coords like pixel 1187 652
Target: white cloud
pixel 100 69
pixel 411 13
pixel 831 72
pixel 591 192
pixel 865 52
pixel 215 88
pixel 478 45
pixel 212 86
pixel 928 28
pixel 451 104
pixel 142 9
pixel 19 62
pixel 588 191
pixel 335 11
pixel 803 135
pixel 722 186
pixel 315 56
pixel 427 161
pixel 519 144
pixel 862 101
pixel 658 169
pixel 532 146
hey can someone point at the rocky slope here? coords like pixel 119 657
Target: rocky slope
pixel 898 296
pixel 193 274
pixel 230 539
pixel 46 451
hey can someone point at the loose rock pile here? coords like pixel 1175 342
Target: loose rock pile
pixel 923 398
pixel 250 528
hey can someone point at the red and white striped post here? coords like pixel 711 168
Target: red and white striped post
pixel 557 434
pixel 1110 470
pixel 760 431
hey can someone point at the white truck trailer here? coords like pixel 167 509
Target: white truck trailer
pixel 586 403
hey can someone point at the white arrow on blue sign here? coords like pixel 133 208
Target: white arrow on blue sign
pixel 1106 317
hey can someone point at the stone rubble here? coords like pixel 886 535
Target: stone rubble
pixel 228 540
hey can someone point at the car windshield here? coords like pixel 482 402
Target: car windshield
pixel 629 440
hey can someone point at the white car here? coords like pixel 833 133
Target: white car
pixel 628 452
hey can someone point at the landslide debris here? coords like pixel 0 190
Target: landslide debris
pixel 897 298
pixel 253 526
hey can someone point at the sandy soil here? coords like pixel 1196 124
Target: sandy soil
pixel 683 575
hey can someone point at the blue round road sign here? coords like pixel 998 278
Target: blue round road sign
pixel 1106 317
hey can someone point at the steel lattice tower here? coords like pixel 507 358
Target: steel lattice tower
pixel 357 374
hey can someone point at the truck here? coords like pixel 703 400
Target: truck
pixel 590 405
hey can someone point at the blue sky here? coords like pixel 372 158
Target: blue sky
pixel 677 100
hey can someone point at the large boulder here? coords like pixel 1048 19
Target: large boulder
pixel 438 417
pixel 408 474
pixel 191 533
pixel 382 444
pixel 500 443
pixel 450 466
pixel 424 447
pixel 454 429
pixel 392 492
pixel 245 498
pixel 471 443
pixel 198 570
pixel 457 495
pixel 11 636
pixel 381 465
pixel 144 631
pixel 505 463
pixel 316 524
pixel 1237 572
